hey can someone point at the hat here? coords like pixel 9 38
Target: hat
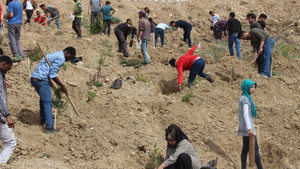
pixel 142 12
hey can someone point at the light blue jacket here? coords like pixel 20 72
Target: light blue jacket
pixel 243 129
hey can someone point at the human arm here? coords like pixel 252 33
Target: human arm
pixel 79 9
pixel 180 76
pixel 171 32
pixel 8 15
pixel 182 147
pixel 191 51
pixel 247 119
pixel 62 86
pixel 89 8
pixel 260 47
pixel 113 11
pixel 177 33
pixel 34 4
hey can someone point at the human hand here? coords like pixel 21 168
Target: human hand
pixel 161 166
pixel 199 45
pixel 10 122
pixel 64 89
pixel 252 62
pixel 7 85
pixel 179 88
pixel 259 51
pixel 251 133
pixel 138 39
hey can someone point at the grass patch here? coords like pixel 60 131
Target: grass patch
pixel 35 55
pixel 141 78
pixel 91 95
pixel 115 20
pixel 65 66
pixel 187 98
pixel 96 27
pixel 130 63
pixel 219 50
pixel 98 84
pixel 190 18
pixel 287 50
pixel 1 39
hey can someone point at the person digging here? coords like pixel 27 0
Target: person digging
pixel 191 62
pixel 41 80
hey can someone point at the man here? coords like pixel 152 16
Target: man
pixel 29 6
pixel 96 5
pixel 6 122
pixel 220 28
pixel 262 43
pixel 261 21
pixel 121 32
pixel 214 19
pixel 15 16
pixel 190 62
pixel 160 30
pixel 40 18
pixel 187 28
pixel 76 25
pixel 106 16
pixel 144 35
pixel 233 28
pixel 41 80
pixel 54 14
pixel 251 17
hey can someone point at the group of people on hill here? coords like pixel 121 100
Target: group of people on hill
pixel 180 153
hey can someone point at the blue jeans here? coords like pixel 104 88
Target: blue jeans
pixel 234 38
pixel 43 89
pixel 144 51
pixel 161 32
pixel 197 68
pixel 56 21
pixel 187 36
pixel 245 151
pixel 267 57
pixel 0 27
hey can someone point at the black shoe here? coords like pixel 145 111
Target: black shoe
pixel 142 64
pixel 126 55
pixel 42 123
pixel 50 131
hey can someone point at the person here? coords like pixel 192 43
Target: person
pixel 262 43
pixel 6 122
pixel 160 30
pixel 147 10
pixel 54 14
pixel 1 21
pixel 233 28
pixel 40 18
pixel 106 15
pixel 76 24
pixel 180 152
pixel 247 111
pixel 214 17
pixel 121 32
pixel 14 16
pixel 261 21
pixel 29 6
pixel 144 35
pixel 190 62
pixel 187 28
pixel 251 17
pixel 41 80
pixel 96 6
pixel 220 28
pixel 152 25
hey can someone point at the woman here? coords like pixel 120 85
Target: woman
pixel 247 111
pixel 29 6
pixel 180 152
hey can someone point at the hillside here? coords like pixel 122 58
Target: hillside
pixel 118 128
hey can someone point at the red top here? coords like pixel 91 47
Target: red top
pixel 185 63
pixel 0 12
pixel 40 20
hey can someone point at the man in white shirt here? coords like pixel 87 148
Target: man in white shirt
pixel 214 17
pixel 160 31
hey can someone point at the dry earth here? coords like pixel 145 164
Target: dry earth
pixel 118 128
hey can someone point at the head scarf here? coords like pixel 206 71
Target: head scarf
pixel 246 85
pixel 175 133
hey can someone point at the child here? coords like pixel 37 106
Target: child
pixel 247 112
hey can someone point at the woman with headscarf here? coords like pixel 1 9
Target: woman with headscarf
pixel 247 111
pixel 180 152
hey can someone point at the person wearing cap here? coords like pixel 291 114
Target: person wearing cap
pixel 144 35
pixel 41 80
pixel 40 18
pixel 190 62
pixel 187 28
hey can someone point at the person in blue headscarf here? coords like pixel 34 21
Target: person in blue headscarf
pixel 247 111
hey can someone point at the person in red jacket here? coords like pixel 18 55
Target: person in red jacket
pixel 190 62
pixel 40 18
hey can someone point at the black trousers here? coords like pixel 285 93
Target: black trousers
pixel 76 25
pixel 29 14
pixel 184 161
pixel 107 24
pixel 122 41
pixel 245 152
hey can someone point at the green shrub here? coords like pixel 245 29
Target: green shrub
pixel 98 84
pixel 156 157
pixel 141 78
pixel 91 95
pixel 115 20
pixel 129 63
pixel 287 50
pixel 190 18
pixel 96 27
pixel 65 66
pixel 187 98
pixel 59 101
pixel 35 55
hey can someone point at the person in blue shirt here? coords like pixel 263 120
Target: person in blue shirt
pixel 14 16
pixel 160 31
pixel 106 16
pixel 187 28
pixel 41 80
